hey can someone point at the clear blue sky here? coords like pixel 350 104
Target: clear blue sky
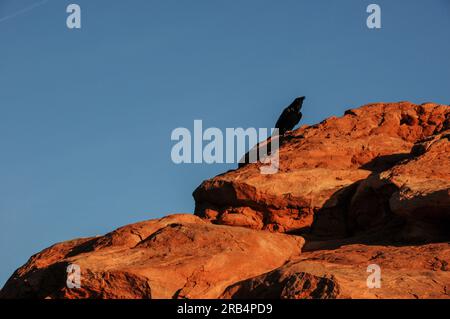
pixel 86 115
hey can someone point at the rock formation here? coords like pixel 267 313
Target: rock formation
pixel 178 256
pixel 406 272
pixel 343 175
pixel 371 187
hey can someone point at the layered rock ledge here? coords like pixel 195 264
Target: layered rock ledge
pixel 344 175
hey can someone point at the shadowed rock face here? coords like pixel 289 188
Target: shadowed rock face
pixel 416 189
pixel 371 187
pixel 406 272
pixel 284 284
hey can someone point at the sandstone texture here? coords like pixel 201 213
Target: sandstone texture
pixel 368 189
pixel 409 272
pixel 179 256
pixel 343 175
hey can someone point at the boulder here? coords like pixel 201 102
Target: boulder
pixel 323 166
pixel 408 272
pixel 179 256
pixel 416 189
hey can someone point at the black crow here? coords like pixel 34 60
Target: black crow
pixel 290 117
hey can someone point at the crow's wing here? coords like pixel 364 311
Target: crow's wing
pixel 283 119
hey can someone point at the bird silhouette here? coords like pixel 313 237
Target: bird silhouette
pixel 290 117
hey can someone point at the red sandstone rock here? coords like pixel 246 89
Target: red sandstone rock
pixel 417 189
pixel 406 272
pixel 362 189
pixel 321 167
pixel 178 256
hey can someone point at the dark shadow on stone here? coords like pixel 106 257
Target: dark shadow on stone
pixel 336 225
pixel 267 151
pixel 300 285
pixel 85 247
pixel 37 284
pixel 385 162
